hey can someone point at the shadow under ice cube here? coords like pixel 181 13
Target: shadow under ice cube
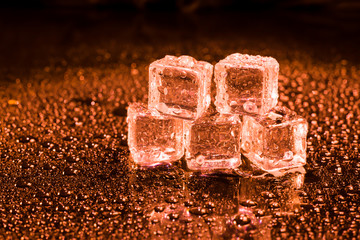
pixel 213 142
pixel 153 138
pixel 246 84
pixel 180 86
pixel 276 140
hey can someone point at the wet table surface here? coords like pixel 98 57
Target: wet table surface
pixel 67 78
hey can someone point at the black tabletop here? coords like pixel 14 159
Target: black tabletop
pixel 67 76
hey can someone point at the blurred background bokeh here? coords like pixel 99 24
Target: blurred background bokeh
pixel 32 30
pixel 192 5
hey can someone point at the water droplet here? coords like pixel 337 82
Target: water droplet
pixel 69 171
pixel 248 203
pixel 22 183
pixel 198 211
pixel 250 107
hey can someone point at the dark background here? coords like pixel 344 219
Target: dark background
pixel 31 30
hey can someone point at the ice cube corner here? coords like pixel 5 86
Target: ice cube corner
pixel 276 140
pixel 246 84
pixel 153 138
pixel 213 142
pixel 180 86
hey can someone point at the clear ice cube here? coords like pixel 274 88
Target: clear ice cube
pixel 180 86
pixel 213 142
pixel 246 84
pixel 153 138
pixel 276 140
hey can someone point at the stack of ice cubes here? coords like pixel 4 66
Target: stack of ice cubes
pixel 247 120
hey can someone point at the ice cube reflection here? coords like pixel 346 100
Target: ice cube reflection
pixel 178 204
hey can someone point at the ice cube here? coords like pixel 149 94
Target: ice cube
pixel 246 84
pixel 276 140
pixel 180 86
pixel 213 142
pixel 153 138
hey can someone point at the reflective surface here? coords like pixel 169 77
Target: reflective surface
pixel 64 161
